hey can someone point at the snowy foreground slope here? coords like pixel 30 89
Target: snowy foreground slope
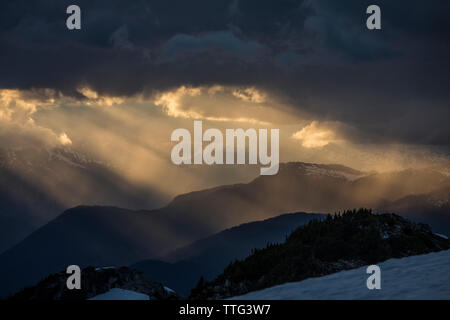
pixel 418 277
pixel 121 294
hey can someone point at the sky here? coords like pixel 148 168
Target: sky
pixel 137 70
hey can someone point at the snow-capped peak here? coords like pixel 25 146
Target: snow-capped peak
pixel 331 171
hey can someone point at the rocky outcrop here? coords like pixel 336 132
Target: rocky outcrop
pixel 95 281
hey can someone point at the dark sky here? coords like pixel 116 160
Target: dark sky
pixel 391 84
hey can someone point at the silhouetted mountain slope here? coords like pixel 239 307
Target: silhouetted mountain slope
pixel 208 257
pixel 34 193
pixel 434 208
pixel 298 187
pixel 346 241
pixel 37 184
pixel 95 281
pixel 23 208
pixel 83 236
pixel 96 235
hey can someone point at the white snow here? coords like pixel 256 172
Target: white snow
pixel 104 268
pixel 121 294
pixel 313 169
pixel 169 290
pixel 61 157
pixel 417 277
pixel 441 235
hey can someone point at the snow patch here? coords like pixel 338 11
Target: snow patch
pixel 416 277
pixel 121 294
pixel 61 157
pixel 318 170
pixel 438 202
pixel 104 268
pixel 169 290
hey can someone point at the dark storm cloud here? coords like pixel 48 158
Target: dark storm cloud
pixel 391 84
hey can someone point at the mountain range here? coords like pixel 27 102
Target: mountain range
pixel 182 268
pixel 37 184
pixel 98 235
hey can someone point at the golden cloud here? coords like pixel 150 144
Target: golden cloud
pixel 223 104
pixel 94 99
pixel 315 135
pixel 64 139
pixel 249 94
pixel 17 105
pixel 171 102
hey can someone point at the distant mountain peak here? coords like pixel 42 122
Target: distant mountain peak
pixel 41 157
pixel 332 170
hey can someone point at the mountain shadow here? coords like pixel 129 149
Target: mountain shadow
pixel 207 257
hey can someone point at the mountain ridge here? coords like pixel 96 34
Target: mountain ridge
pixel 340 242
pixel 150 234
pixel 207 257
pixel 37 184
